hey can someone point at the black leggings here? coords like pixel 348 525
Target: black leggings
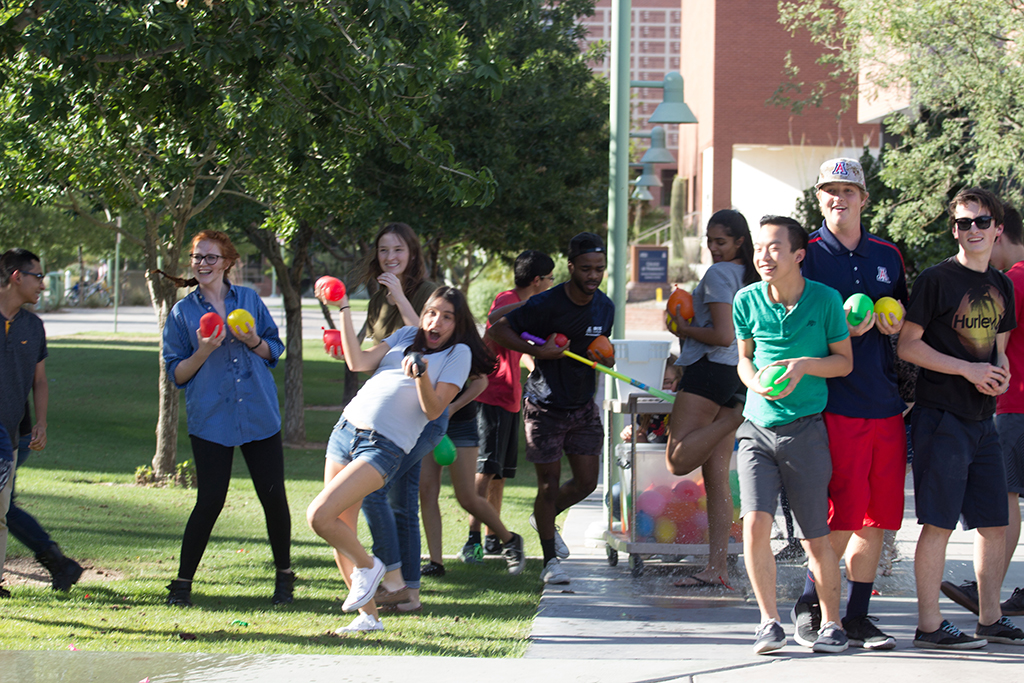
pixel 265 460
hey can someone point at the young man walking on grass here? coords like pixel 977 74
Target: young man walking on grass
pixel 959 319
pixel 23 372
pixel 560 414
pixel 500 402
pixel 864 414
pixel 1007 256
pixel 797 324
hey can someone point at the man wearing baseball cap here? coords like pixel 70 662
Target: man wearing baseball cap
pixel 864 414
pixel 560 414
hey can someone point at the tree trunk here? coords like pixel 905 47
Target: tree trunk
pixel 163 295
pixel 294 396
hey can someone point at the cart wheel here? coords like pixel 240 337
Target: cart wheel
pixel 636 565
pixel 613 555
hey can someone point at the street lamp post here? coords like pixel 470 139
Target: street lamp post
pixel 672 110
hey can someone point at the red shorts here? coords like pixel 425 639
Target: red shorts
pixel 869 468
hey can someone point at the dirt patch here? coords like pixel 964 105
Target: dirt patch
pixel 26 571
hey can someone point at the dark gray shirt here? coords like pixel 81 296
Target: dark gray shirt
pixel 22 347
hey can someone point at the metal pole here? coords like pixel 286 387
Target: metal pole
pixel 618 163
pixel 117 272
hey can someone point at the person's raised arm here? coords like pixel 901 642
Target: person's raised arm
pixel 357 359
pixel 410 316
pixel 433 400
pixel 499 313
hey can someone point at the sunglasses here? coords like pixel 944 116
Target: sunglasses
pixel 983 222
pixel 38 276
pixel 209 258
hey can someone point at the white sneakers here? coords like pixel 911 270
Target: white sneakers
pixel 561 549
pixel 363 622
pixel 364 585
pixel 553 572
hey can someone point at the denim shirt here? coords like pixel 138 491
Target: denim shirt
pixel 232 398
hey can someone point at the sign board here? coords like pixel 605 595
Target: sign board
pixel 650 264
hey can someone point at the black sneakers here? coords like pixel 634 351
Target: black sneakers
pixel 492 545
pixel 432 569
pixel 807 622
pixel 514 555
pixel 862 633
pixel 1003 631
pixel 1014 606
pixel 965 595
pixel 947 637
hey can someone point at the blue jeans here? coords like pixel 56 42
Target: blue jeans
pixel 393 511
pixel 22 525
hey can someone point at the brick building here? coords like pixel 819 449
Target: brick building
pixel 744 153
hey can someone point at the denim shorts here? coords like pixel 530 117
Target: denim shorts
pixel 348 443
pixel 464 433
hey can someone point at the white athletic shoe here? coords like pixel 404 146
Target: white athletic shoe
pixel 561 549
pixel 553 572
pixel 363 622
pixel 364 585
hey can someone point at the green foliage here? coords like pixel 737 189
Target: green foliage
pixel 540 129
pixel 958 64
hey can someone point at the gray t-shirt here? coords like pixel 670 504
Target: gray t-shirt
pixel 719 285
pixel 388 402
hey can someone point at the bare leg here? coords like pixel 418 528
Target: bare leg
pixel 495 496
pixel 696 426
pixel 716 483
pixel 862 554
pixel 545 504
pixel 482 485
pixel 989 546
pixel 463 475
pixel 824 565
pixel 345 490
pixel 760 563
pixel 929 563
pixel 430 509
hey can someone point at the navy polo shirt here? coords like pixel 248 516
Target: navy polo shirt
pixel 874 267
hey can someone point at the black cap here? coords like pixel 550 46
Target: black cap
pixel 585 243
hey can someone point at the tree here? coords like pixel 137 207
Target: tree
pixel 958 63
pixel 154 107
pixel 540 129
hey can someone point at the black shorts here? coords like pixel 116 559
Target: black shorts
pixel 958 471
pixel 714 381
pixel 499 441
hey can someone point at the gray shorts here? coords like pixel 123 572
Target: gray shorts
pixel 793 455
pixel 1011 439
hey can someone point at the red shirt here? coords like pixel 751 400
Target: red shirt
pixel 1013 400
pixel 504 388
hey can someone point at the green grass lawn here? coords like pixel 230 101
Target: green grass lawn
pixel 101 427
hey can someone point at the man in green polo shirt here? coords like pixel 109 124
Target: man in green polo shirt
pixel 788 322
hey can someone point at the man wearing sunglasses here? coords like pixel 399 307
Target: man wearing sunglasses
pixel 23 372
pixel 864 416
pixel 958 324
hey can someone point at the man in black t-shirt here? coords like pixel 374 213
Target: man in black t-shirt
pixel 957 326
pixel 560 414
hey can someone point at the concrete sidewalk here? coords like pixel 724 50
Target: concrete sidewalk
pixel 605 616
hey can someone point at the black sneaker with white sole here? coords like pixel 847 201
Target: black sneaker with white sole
pixel 1003 631
pixel 862 633
pixel 514 555
pixel 947 637
pixel 965 595
pixel 831 638
pixel 1014 605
